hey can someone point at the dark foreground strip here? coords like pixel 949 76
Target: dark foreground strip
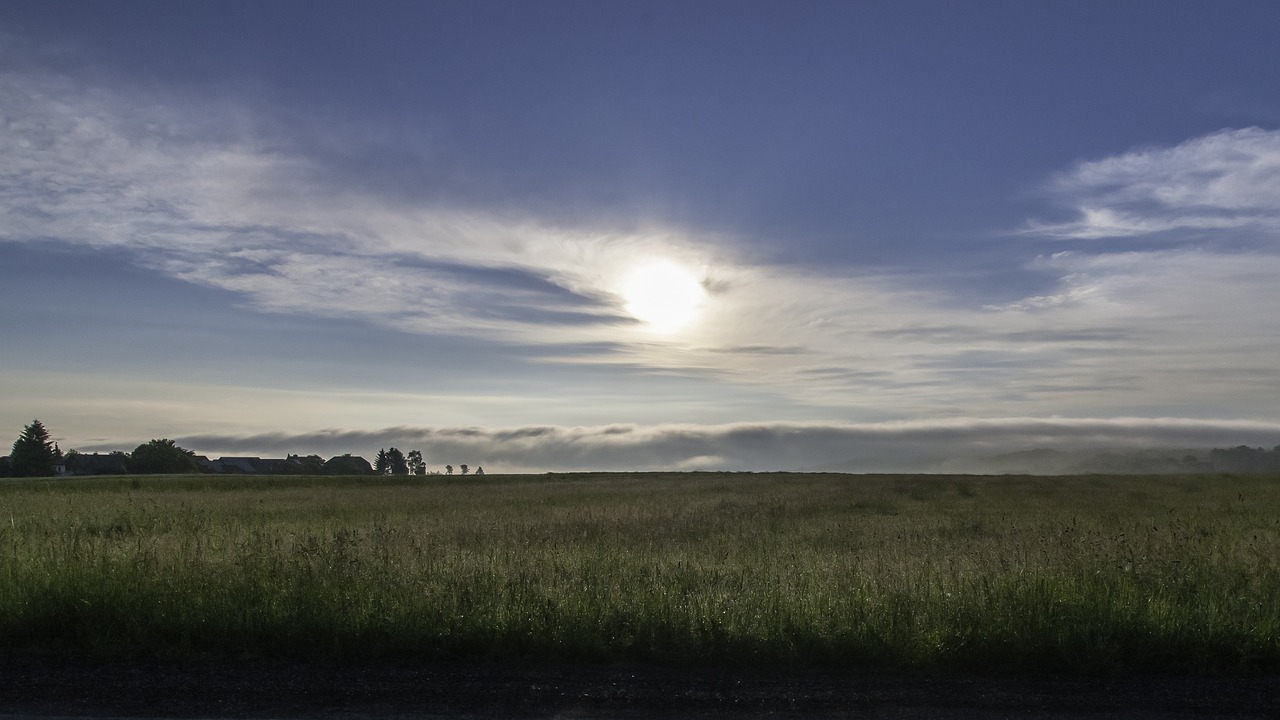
pixel 267 689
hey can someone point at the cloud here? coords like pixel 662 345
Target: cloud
pixel 201 196
pixel 1225 181
pixel 204 196
pixel 201 193
pixel 869 447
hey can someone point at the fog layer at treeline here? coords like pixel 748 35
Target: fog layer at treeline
pixel 966 445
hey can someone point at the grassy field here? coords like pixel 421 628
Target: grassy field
pixel 1079 574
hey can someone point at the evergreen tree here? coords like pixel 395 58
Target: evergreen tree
pixel 382 465
pixel 396 464
pixel 417 466
pixel 33 453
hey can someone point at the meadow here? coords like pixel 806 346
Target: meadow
pixel 908 573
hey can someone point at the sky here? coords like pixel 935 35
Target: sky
pixel 556 236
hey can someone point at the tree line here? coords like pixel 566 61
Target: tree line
pixel 1244 459
pixel 394 462
pixel 35 454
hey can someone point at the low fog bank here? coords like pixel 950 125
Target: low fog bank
pixel 1012 445
pixel 1154 461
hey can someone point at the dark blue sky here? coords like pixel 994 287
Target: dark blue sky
pixel 880 201
pixel 835 121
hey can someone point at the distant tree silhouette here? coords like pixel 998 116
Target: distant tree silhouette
pixel 448 469
pixel 479 470
pixel 162 456
pixel 33 453
pixel 416 464
pixel 1244 459
pixel 382 465
pixel 396 464
pixel 463 468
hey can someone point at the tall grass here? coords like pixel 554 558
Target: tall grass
pixel 928 572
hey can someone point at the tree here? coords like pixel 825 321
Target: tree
pixel 417 466
pixel 396 462
pixel 463 468
pixel 162 456
pixel 382 464
pixel 448 469
pixel 33 453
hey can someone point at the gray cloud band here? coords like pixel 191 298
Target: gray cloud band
pixel 913 446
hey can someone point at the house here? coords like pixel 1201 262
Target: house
pixel 289 465
pixel 240 465
pixel 6 466
pixel 347 465
pixel 78 463
pixel 304 464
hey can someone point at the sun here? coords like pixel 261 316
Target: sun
pixel 662 294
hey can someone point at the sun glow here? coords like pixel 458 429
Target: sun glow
pixel 663 295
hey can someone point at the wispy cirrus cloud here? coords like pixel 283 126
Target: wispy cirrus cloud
pixel 203 196
pixel 207 198
pixel 1228 180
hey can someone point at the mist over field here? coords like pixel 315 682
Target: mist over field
pixel 968 445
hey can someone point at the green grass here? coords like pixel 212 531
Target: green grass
pixel 1081 574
